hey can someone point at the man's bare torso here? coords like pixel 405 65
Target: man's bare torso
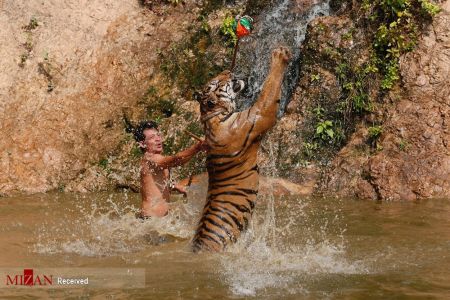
pixel 155 188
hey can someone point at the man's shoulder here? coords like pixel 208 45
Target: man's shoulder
pixel 152 157
pixel 152 160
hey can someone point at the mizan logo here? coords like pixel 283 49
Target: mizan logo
pixel 28 278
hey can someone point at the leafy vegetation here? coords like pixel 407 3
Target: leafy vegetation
pixel 315 77
pixel 104 163
pixel 397 24
pixel 33 24
pixel 365 62
pixel 190 64
pixel 135 152
pixel 28 44
pixel 226 29
pixel 375 132
pixel 324 130
pixel 354 81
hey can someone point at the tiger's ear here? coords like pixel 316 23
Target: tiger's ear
pixel 197 96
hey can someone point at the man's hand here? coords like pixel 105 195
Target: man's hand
pixel 202 146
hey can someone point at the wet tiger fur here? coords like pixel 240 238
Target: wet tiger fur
pixel 234 139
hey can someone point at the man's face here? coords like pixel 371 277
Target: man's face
pixel 153 141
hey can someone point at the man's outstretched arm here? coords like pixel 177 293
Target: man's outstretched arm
pixel 182 157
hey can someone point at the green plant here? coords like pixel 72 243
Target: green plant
pixel 320 27
pixel 397 32
pixel 136 151
pixel 227 30
pixel 318 112
pixel 103 163
pixel 189 63
pixel 150 92
pixel 324 130
pixel 390 29
pixel 32 24
pixel 348 35
pixel 204 24
pixel 354 82
pixel 429 8
pixel 309 149
pixel 315 77
pixel 391 75
pixel 375 132
pixel 342 70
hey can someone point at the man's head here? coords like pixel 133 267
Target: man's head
pixel 148 137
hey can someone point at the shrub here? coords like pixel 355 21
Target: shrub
pixel 226 29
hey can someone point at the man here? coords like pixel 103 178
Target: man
pixel 156 183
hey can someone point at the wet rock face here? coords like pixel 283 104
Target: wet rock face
pixel 68 70
pixel 415 158
pixel 340 6
pixel 415 162
pixel 330 42
pixel 300 6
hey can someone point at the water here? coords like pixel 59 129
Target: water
pixel 283 24
pixel 301 248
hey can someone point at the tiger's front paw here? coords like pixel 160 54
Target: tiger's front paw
pixel 281 55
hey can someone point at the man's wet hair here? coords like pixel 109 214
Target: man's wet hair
pixel 138 132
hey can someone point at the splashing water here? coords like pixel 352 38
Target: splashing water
pixel 107 227
pixel 294 248
pixel 265 256
pixel 284 24
pixel 260 261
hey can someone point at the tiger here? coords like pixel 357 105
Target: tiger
pixel 234 139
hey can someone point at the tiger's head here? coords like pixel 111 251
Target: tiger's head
pixel 219 95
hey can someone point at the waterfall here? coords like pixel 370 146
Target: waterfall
pixel 282 24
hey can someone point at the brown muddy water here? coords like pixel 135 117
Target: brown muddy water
pixel 296 248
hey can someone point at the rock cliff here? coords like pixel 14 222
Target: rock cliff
pixel 71 70
pixel 414 157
